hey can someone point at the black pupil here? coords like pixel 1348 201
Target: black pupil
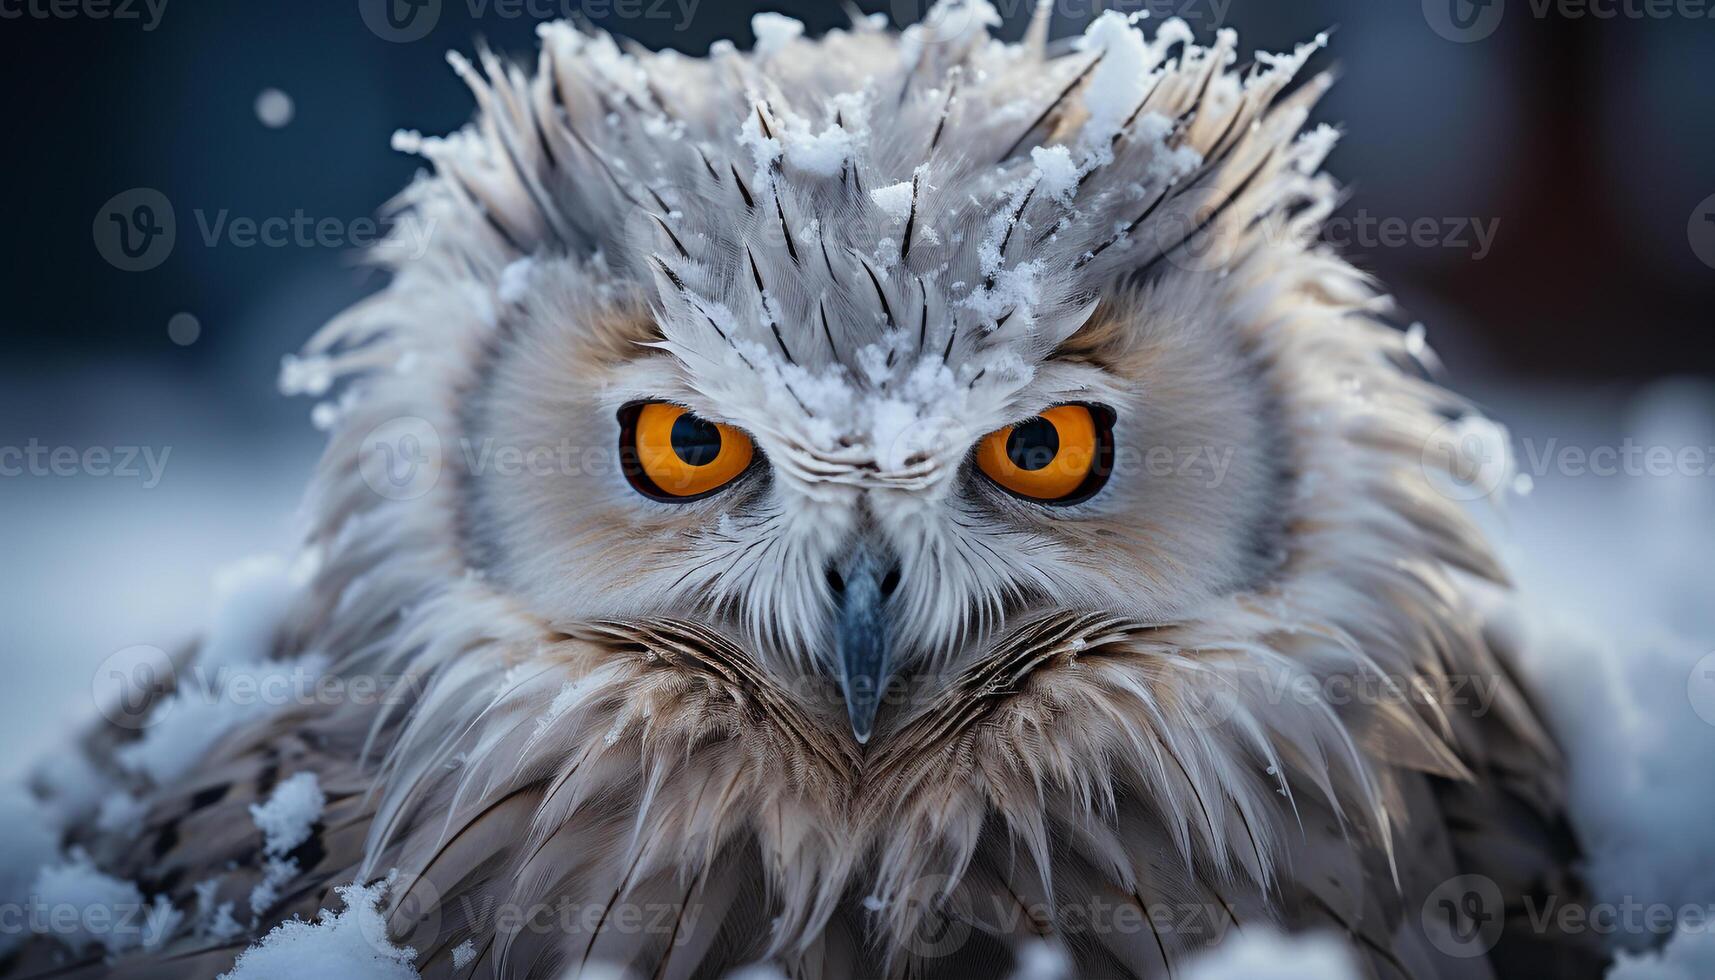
pixel 696 441
pixel 1033 445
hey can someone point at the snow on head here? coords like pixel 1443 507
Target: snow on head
pixel 1120 81
pixel 352 944
pixel 895 199
pixel 774 31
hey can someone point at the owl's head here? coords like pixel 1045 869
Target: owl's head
pixel 867 362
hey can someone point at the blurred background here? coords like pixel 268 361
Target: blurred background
pixel 1534 179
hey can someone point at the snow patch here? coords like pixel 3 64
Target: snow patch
pixel 352 943
pixel 515 280
pixel 1057 174
pixel 1689 955
pixel 895 199
pixel 111 913
pixel 1038 960
pixel 290 813
pixel 1263 954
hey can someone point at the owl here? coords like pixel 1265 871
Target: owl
pixel 878 505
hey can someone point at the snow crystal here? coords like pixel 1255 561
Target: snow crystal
pixel 292 809
pixel 111 913
pixel 120 813
pixel 1314 146
pixel 1262 954
pixel 1016 291
pixel 70 787
pixel 214 918
pixel 1038 960
pixel 764 150
pixel 774 31
pixel 276 873
pixel 822 154
pixel 895 199
pixel 350 944
pixel 1286 64
pixel 1689 955
pixel 311 376
pixel 1172 31
pixel 1056 173
pixel 515 280
pixel 463 954
pixel 1417 340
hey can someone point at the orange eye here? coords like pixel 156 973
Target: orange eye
pixel 670 454
pixel 1061 456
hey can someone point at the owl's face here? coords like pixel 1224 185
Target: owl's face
pixel 871 517
pixel 778 378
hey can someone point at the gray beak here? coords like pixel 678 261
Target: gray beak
pixel 861 582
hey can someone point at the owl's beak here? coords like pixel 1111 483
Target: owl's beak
pixel 861 582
